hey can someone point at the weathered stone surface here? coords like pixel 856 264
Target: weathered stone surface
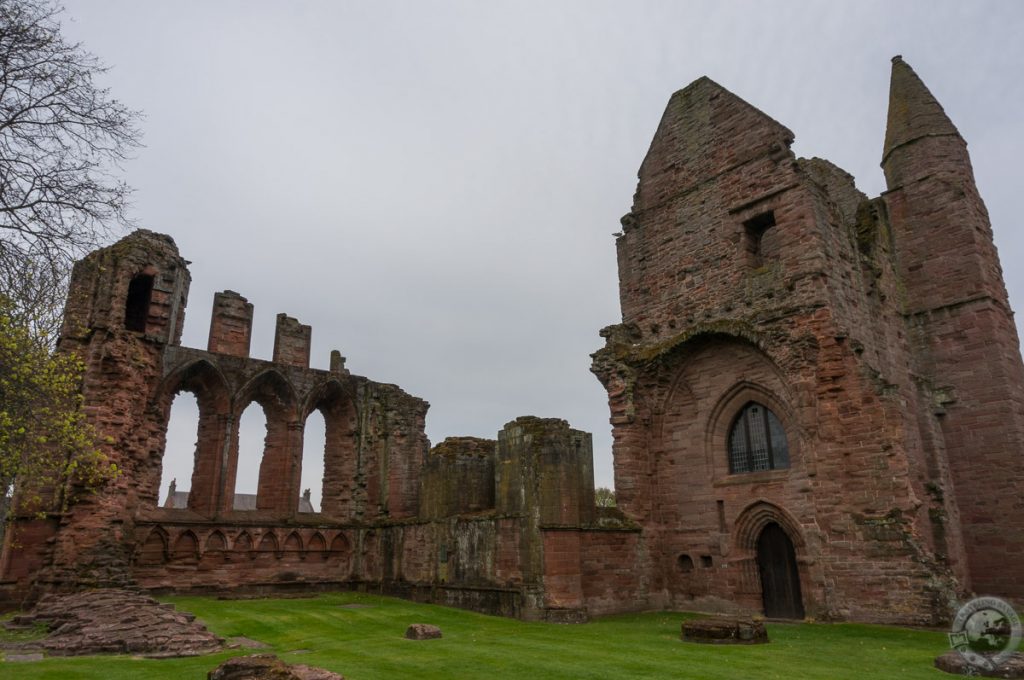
pixel 565 615
pixel 111 621
pixel 725 631
pixel 268 667
pixel 422 631
pixel 875 330
pixel 878 332
pixel 458 478
pixel 953 662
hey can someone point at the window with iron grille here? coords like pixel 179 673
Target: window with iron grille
pixel 757 441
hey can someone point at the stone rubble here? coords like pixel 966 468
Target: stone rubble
pixel 953 662
pixel 422 631
pixel 268 667
pixel 725 631
pixel 114 621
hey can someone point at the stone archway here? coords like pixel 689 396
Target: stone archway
pixel 771 553
pixel 780 577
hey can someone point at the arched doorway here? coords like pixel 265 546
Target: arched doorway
pixel 780 580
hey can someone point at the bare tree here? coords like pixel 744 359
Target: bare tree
pixel 61 140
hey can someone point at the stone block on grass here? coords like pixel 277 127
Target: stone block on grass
pixel 725 631
pixel 953 662
pixel 422 631
pixel 268 667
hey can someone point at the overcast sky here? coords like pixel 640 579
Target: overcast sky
pixel 433 186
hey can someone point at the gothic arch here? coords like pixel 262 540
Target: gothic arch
pixel 317 544
pixel 340 545
pixel 210 387
pixel 293 543
pixel 269 543
pixel 243 543
pixel 755 517
pixel 762 518
pixel 678 361
pixel 186 547
pixel 327 395
pixel 154 550
pixel 723 415
pixel 278 484
pixel 271 390
pixel 338 407
pixel 216 542
pixel 199 376
pixel 269 547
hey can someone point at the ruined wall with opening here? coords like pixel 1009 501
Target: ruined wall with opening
pixel 463 524
pixel 751 279
pixel 816 399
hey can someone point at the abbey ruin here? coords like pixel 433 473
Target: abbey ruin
pixel 817 402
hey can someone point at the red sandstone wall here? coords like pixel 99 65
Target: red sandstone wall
pixel 807 323
pixel 375 434
pixel 94 541
pixel 612 572
pixel 562 587
pixel 230 324
pixel 468 552
pixel 958 313
pixel 224 557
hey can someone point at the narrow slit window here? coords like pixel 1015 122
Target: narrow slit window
pixel 136 307
pixel 760 242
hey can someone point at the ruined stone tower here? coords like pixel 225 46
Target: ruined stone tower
pixel 815 396
pixel 817 402
pixel 961 327
pixel 494 525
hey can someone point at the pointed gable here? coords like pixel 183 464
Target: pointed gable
pixel 705 131
pixel 913 110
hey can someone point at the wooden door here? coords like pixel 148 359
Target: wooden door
pixel 780 580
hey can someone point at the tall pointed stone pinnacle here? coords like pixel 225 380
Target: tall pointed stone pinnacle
pixel 913 110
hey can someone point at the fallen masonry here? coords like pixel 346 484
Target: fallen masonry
pixel 112 621
pixel 954 662
pixel 268 667
pixel 115 621
pixel 816 400
pixel 721 631
pixel 422 631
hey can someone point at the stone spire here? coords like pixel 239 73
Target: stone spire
pixel 171 489
pixel 913 110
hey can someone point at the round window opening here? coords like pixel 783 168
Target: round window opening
pixel 757 441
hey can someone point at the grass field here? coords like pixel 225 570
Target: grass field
pixel 366 641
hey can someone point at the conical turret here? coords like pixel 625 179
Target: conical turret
pixel 913 110
pixel 920 139
pixel 955 301
pixel 946 254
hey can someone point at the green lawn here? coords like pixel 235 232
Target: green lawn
pixel 367 642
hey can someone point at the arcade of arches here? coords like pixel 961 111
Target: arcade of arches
pixel 816 401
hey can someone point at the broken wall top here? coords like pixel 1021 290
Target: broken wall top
pixel 705 131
